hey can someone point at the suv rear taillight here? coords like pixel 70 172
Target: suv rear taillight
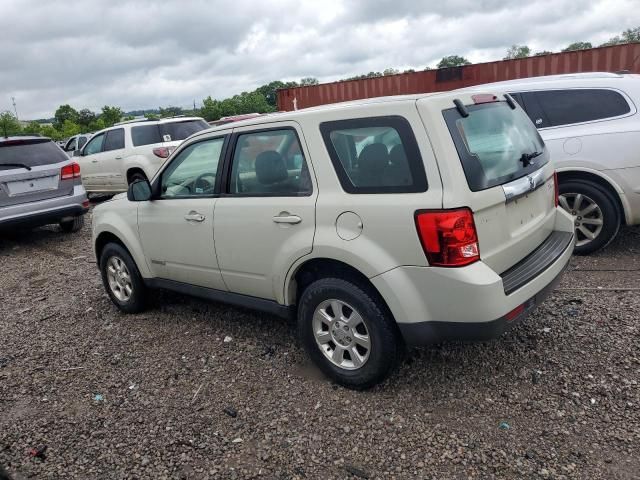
pixel 70 171
pixel 163 152
pixel 448 237
pixel 556 187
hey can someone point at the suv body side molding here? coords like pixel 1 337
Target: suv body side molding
pixel 237 299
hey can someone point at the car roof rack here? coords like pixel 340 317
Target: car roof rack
pixel 137 120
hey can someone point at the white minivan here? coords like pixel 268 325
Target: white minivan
pixel 590 123
pixel 377 224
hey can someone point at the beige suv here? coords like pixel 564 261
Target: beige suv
pixel 378 224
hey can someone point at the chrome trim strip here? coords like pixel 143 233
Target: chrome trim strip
pixel 523 185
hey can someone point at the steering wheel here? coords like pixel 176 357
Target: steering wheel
pixel 207 185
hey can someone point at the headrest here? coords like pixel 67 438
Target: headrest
pixel 270 168
pixel 373 158
pixel 397 155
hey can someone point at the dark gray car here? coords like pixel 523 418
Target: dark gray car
pixel 39 185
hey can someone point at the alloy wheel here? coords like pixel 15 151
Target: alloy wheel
pixel 587 216
pixel 341 334
pixel 119 279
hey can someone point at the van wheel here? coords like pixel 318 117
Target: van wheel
pixel 70 226
pixel 347 333
pixel 595 214
pixel 122 280
pixel 137 176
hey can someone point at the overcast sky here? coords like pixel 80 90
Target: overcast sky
pixel 144 54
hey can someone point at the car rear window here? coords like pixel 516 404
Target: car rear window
pixel 180 130
pixel 495 144
pixel 32 153
pixel 375 155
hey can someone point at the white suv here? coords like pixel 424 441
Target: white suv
pixel 133 150
pixel 401 220
pixel 591 126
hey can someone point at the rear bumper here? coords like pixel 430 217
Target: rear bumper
pixel 425 333
pixel 53 210
pixel 432 304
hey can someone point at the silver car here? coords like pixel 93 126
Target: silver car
pixel 39 185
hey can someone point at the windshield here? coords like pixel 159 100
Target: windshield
pixel 495 143
pixel 31 153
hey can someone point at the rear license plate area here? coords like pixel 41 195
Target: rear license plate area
pixel 34 185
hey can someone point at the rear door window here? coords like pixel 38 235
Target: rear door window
pixel 495 144
pixel 145 135
pixel 565 107
pixel 172 131
pixel 31 153
pixel 94 145
pixel 375 155
pixel 114 140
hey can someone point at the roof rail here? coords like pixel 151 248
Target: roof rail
pixel 138 120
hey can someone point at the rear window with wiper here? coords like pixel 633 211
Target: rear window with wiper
pixel 496 144
pixel 30 153
pixel 181 130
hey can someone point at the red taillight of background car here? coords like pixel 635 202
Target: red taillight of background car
pixel 556 187
pixel 163 152
pixel 69 172
pixel 448 237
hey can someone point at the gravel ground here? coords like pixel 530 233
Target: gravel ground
pixel 115 396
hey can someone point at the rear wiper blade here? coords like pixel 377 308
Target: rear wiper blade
pixel 527 157
pixel 21 165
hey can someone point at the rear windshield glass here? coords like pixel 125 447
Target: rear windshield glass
pixel 495 143
pixel 180 130
pixel 32 154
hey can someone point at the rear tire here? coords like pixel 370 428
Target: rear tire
pixel 70 226
pixel 122 280
pixel 595 214
pixel 343 316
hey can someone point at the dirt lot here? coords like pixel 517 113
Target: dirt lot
pixel 115 396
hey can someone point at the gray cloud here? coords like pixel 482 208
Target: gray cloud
pixel 143 53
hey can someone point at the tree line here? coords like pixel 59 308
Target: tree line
pixel 68 121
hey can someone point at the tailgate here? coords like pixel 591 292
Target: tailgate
pixel 41 183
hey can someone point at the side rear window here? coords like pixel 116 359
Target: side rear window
pixel 564 107
pixel 114 140
pixel 81 142
pixel 172 131
pixel 375 155
pixel 30 153
pixel 145 135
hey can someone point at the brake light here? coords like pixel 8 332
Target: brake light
pixel 69 172
pixel 163 152
pixel 448 237
pixel 556 187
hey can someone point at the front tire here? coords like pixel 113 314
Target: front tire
pixel 122 280
pixel 595 214
pixel 347 332
pixel 74 225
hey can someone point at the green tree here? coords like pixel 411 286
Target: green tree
pixel 269 91
pixel 409 70
pixel 110 115
pixel 518 51
pixel 9 124
pixel 170 112
pixel 64 112
pixel 51 132
pixel 69 129
pixel 543 52
pixel 97 124
pixel 309 81
pixel 85 118
pixel 453 61
pixel 577 46
pixel 631 35
pixel 390 71
pixel 33 128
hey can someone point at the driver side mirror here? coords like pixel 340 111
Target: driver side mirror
pixel 139 191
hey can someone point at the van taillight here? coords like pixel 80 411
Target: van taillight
pixel 448 237
pixel 556 187
pixel 163 152
pixel 70 171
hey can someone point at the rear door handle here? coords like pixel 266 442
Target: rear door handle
pixel 94 161
pixel 286 218
pixel 193 216
pixel 118 158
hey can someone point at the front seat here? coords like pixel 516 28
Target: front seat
pixel 271 171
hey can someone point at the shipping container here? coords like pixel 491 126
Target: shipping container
pixel 603 59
